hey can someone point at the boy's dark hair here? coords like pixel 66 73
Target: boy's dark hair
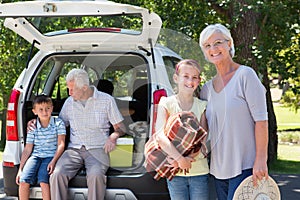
pixel 42 98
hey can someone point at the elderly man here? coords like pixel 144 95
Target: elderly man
pixel 89 113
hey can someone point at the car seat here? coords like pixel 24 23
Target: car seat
pixel 106 86
pixel 140 100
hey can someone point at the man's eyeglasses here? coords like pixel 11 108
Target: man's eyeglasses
pixel 216 43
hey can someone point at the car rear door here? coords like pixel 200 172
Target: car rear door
pixel 26 18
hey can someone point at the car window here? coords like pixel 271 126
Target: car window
pixel 60 90
pixel 51 78
pixel 170 63
pixel 93 75
pixel 42 78
pixel 50 26
pixel 123 78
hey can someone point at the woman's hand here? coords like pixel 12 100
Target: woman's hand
pixel 260 171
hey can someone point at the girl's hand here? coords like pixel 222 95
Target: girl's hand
pixel 185 163
pixel 172 163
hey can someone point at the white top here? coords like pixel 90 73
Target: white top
pixel 200 166
pixel 89 124
pixel 231 116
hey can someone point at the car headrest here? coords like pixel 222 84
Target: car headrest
pixel 140 90
pixel 105 86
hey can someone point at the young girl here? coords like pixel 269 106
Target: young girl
pixel 192 182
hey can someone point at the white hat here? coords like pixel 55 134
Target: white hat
pixel 266 189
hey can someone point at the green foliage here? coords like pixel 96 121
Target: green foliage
pixel 261 29
pixel 13 56
pixel 280 44
pixel 275 46
pixel 291 98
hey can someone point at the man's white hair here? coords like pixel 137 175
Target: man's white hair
pixel 79 76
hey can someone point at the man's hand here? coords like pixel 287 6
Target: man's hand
pixel 110 144
pixel 31 125
pixel 112 139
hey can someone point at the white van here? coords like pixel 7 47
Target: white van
pixel 116 45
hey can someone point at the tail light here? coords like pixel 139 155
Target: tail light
pixel 8 164
pixel 11 118
pixel 157 94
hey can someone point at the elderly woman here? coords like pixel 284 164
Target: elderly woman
pixel 236 113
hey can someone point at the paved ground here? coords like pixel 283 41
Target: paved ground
pixel 289 186
pixel 2 195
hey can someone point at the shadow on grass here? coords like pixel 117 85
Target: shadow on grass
pixel 284 167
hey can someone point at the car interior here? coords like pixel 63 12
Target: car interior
pixel 124 77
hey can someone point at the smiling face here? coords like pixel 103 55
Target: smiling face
pixel 216 48
pixel 187 78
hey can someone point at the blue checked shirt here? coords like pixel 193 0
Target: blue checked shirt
pixel 44 140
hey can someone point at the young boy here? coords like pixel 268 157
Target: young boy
pixel 44 146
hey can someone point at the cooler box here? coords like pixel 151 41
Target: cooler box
pixel 121 156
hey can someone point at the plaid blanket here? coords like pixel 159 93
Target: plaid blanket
pixel 185 133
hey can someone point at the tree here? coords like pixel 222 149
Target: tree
pixel 266 34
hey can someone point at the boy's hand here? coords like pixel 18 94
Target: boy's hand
pixel 18 177
pixel 51 167
pixel 31 125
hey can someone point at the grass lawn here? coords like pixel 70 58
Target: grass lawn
pixel 289 152
pixel 286 118
pixel 288 161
